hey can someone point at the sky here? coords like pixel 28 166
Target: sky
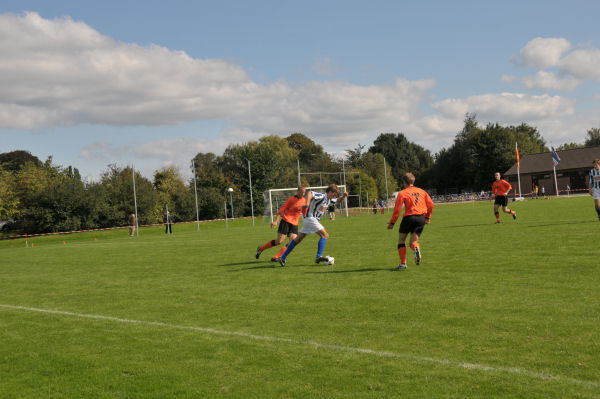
pixel 152 83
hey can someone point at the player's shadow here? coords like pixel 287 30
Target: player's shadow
pixel 370 269
pixel 254 268
pixel 562 223
pixel 457 226
pixel 239 263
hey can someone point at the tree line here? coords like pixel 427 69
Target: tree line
pixel 41 197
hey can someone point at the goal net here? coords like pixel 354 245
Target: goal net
pixel 276 197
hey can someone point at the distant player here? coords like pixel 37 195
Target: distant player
pixel 331 211
pixel 289 214
pixel 418 208
pixel 317 206
pixel 594 185
pixel 501 188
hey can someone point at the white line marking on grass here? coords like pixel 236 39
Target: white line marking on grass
pixel 420 359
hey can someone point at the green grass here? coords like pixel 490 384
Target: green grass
pixel 502 311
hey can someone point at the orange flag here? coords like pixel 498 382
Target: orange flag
pixel 517 150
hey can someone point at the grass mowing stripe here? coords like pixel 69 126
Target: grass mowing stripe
pixel 469 366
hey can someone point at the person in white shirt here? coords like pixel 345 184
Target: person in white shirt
pixel 317 206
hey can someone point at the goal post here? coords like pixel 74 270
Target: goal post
pixel 280 195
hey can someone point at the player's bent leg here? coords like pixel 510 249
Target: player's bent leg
pixel 282 250
pixel 414 245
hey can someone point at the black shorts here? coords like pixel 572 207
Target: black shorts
pixel 412 224
pixel 286 228
pixel 501 200
pixel 331 208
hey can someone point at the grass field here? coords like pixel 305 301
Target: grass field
pixel 494 311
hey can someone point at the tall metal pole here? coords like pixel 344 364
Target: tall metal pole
pixel 196 195
pixel 299 182
pixel 387 193
pixel 251 201
pixel 137 225
pixel 359 191
pixel 225 202
pixel 231 200
pixel 345 198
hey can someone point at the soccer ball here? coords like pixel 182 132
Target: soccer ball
pixel 330 260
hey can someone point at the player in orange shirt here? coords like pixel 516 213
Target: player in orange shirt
pixel 418 208
pixel 289 214
pixel 501 188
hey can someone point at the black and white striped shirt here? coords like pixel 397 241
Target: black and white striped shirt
pixel 318 205
pixel 595 178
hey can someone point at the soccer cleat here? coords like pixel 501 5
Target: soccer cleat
pixel 320 259
pixel 401 266
pixel 417 256
pixel 514 215
pixel 497 222
pixel 274 260
pixel 281 261
pixel 258 252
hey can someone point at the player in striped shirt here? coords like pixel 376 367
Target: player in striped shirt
pixel 289 214
pixel 501 188
pixel 594 185
pixel 317 206
pixel 418 208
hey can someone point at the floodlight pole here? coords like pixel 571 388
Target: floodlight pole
pixel 345 198
pixel 251 201
pixel 225 202
pixel 231 200
pixel 137 226
pixel 196 195
pixel 387 193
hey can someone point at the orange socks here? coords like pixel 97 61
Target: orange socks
pixel 402 253
pixel 268 245
pixel 281 251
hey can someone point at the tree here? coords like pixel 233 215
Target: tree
pixel 477 153
pixel 569 146
pixel 402 155
pixel 9 201
pixel 15 160
pixel 118 186
pixel 172 192
pixel 593 138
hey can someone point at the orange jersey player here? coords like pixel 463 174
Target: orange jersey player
pixel 500 189
pixel 418 208
pixel 289 213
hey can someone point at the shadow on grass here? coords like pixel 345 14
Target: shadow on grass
pixel 272 266
pixel 562 223
pixel 253 262
pixel 457 226
pixel 351 271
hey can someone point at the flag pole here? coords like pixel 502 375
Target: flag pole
pixel 555 183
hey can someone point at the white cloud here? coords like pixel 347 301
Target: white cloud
pixel 543 53
pixel 61 73
pixel 549 81
pixel 508 107
pixel 325 66
pixel 508 78
pixel 582 64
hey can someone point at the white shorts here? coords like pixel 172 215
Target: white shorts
pixel 311 225
pixel 596 193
